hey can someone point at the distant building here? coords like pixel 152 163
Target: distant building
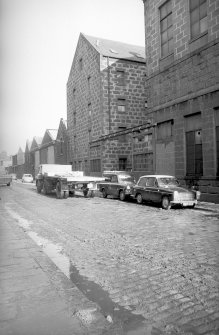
pixel 47 147
pixel 5 162
pixel 35 155
pixel 182 89
pixel 18 164
pixel 105 95
pixel 61 144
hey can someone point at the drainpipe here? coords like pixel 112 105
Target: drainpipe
pixel 109 97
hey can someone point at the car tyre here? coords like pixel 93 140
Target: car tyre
pixel 165 203
pixel 39 187
pixel 122 195
pixel 104 193
pixel 59 192
pixel 139 198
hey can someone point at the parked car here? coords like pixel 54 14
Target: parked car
pixel 118 184
pixel 27 178
pixel 165 190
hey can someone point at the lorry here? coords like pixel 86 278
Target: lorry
pixel 64 181
pixel 5 179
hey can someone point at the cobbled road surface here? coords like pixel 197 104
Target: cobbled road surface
pixel 162 265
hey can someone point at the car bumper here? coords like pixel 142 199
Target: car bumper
pixel 184 202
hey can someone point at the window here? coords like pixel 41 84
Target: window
pixel 143 162
pixel 194 159
pixel 89 116
pixel 166 29
pixel 121 105
pixel 122 163
pixel 217 146
pixel 80 63
pixel 120 75
pixel 95 165
pixel 61 146
pixel 198 17
pixel 74 93
pixel 114 179
pixel 88 81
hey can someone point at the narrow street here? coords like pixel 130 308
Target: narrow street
pixel 140 264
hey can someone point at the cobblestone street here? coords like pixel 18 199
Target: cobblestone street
pixel 159 265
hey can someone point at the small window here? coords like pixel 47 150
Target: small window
pixel 74 93
pixel 121 105
pixel 122 163
pixel 120 75
pixel 80 63
pixel 88 81
pixel 61 146
pixel 198 17
pixel 166 29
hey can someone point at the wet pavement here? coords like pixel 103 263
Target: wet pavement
pixel 109 267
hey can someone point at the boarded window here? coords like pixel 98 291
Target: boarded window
pixel 166 29
pixel 143 162
pixel 95 165
pixel 194 158
pixel 165 130
pixel 198 17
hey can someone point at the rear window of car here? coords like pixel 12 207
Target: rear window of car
pixel 27 175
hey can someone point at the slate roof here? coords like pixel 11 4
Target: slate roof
pixel 117 49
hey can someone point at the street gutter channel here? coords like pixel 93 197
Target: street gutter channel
pixel 122 318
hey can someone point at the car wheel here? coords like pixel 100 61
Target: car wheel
pixel 139 198
pixel 39 187
pixel 104 193
pixel 59 191
pixel 122 195
pixel 165 203
pixel 66 194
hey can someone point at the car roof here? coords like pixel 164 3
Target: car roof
pixel 158 176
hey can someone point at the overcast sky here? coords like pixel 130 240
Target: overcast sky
pixel 38 39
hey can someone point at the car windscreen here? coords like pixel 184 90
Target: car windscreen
pixel 167 182
pixel 126 178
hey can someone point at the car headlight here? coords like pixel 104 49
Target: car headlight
pixel 128 187
pixel 175 195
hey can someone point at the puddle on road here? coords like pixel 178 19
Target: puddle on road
pixel 130 323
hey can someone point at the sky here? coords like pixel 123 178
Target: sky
pixel 38 39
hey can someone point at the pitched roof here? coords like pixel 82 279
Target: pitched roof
pixel 38 139
pixel 52 133
pixel 117 49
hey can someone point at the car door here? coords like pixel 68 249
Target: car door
pixel 152 189
pixel 141 188
pixel 114 185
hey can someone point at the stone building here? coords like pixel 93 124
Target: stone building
pixel 27 157
pixel 47 147
pixel 105 98
pixel 181 41
pixel 61 146
pixel 35 155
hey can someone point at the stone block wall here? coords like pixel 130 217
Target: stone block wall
pixel 83 88
pixel 131 91
pixel 182 42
